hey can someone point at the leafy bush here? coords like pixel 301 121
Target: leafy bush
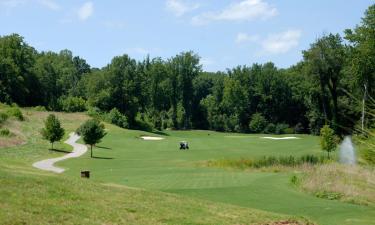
pixel 5 132
pixel 143 123
pixel 40 108
pixel 3 117
pixel 281 128
pixel 15 112
pixel 116 118
pixel 270 129
pixel 294 180
pixel 258 123
pixel 298 128
pixel 289 130
pixel 94 112
pixel 73 104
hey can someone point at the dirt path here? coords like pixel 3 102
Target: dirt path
pixel 78 150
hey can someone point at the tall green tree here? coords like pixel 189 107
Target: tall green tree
pixel 185 67
pixel 325 61
pixel 52 130
pixel 92 132
pixel 362 59
pixel 18 83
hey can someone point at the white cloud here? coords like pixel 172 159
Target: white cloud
pixel 246 10
pixel 243 37
pixel 179 8
pixel 281 42
pixel 49 4
pixel 85 11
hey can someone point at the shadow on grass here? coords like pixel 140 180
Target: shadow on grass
pixel 99 157
pixel 102 147
pixel 159 133
pixel 59 150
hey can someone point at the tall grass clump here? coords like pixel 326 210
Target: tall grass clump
pixel 268 161
pixel 14 111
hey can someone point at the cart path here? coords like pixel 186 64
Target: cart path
pixel 78 150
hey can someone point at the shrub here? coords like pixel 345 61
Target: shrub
pixel 116 118
pixel 3 117
pixel 143 123
pixel 15 112
pixel 40 108
pixel 298 128
pixel 281 128
pixel 258 123
pixel 5 132
pixel 270 128
pixel 289 130
pixel 328 139
pixel 294 180
pixel 94 112
pixel 73 104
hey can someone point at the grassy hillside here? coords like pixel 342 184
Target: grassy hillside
pixel 124 158
pixel 31 196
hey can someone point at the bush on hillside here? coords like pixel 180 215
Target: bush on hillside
pixel 298 128
pixel 281 128
pixel 40 108
pixel 15 112
pixel 3 117
pixel 143 123
pixel 270 128
pixel 4 132
pixel 117 118
pixel 73 104
pixel 257 123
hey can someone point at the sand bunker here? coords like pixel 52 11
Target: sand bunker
pixel 280 138
pixel 148 138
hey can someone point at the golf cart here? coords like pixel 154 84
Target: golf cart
pixel 184 145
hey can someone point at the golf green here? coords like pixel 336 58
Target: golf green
pixel 124 158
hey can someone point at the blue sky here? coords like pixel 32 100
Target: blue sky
pixel 224 33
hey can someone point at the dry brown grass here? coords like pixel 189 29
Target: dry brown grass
pixel 29 129
pixel 354 184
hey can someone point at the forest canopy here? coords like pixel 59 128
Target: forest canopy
pixel 332 85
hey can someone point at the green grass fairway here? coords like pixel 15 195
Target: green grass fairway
pixel 31 196
pixel 124 158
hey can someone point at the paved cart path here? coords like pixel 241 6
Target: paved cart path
pixel 78 150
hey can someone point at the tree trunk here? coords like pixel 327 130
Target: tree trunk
pixel 91 150
pixel 363 108
pixel 323 100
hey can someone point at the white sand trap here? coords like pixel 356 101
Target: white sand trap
pixel 148 138
pixel 280 138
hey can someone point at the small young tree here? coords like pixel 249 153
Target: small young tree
pixel 257 123
pixel 52 130
pixel 92 132
pixel 328 139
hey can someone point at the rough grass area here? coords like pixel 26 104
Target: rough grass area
pixel 366 147
pixel 354 184
pixel 30 196
pixel 267 161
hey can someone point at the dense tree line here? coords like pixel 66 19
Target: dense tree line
pixel 331 85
